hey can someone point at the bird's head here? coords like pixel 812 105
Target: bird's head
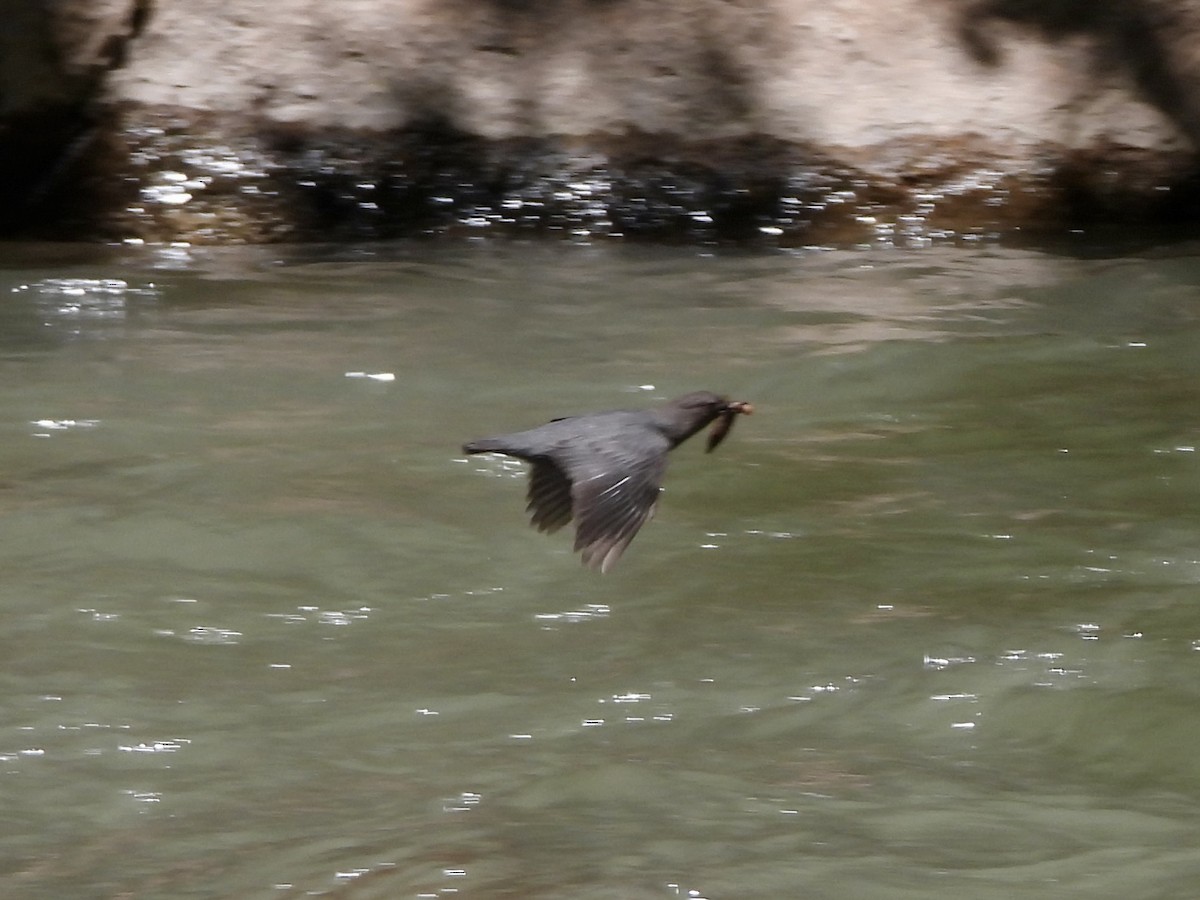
pixel 686 415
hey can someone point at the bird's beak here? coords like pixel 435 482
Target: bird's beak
pixel 724 422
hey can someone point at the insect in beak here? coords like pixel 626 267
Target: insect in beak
pixel 724 422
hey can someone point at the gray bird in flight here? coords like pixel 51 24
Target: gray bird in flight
pixel 605 470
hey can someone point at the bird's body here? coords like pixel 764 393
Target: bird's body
pixel 605 470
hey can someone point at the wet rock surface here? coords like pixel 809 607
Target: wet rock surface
pixel 703 122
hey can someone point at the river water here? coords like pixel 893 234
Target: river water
pixel 927 625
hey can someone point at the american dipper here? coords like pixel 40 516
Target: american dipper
pixel 605 470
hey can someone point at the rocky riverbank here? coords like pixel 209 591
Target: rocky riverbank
pixel 698 121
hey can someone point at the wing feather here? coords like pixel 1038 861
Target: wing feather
pixel 549 496
pixel 614 493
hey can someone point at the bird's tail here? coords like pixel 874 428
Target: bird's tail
pixel 486 445
pixel 521 444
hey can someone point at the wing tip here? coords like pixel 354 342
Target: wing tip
pixel 602 554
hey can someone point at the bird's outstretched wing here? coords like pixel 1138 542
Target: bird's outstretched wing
pixel 603 471
pixel 549 496
pixel 614 491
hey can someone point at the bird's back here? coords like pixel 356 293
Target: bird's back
pixel 601 431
